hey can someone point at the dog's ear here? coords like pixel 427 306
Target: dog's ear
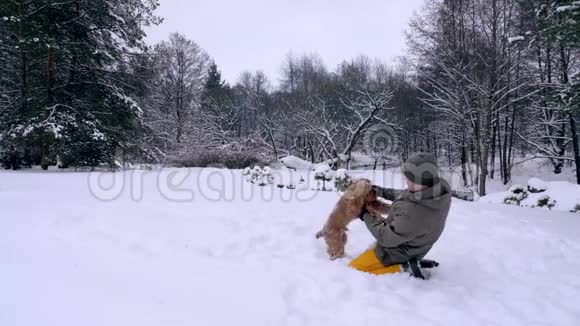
pixel 361 188
pixel 371 196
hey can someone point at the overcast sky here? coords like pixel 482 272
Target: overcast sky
pixel 257 34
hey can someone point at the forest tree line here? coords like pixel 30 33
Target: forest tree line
pixel 485 83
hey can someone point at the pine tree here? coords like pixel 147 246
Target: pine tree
pixel 213 82
pixel 216 94
pixel 71 102
pixel 560 19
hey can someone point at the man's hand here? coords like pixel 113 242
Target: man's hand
pixel 386 193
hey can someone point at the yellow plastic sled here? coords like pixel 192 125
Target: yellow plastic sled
pixel 369 263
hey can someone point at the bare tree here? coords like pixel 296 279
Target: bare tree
pixel 336 136
pixel 183 68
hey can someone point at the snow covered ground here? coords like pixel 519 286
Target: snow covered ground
pixel 203 247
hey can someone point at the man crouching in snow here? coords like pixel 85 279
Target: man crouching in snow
pixel 415 221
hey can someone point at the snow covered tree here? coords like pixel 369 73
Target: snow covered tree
pixel 214 86
pixel 474 69
pixel 217 106
pixel 66 98
pixel 252 96
pixel 183 67
pixel 560 21
pixel 338 122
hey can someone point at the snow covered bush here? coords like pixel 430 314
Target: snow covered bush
pixel 79 144
pixel 267 171
pixel 45 163
pixel 10 157
pixel 559 195
pixel 342 179
pixel 87 152
pixel 259 176
pixel 517 189
pixel 546 201
pixel 510 200
pixel 255 174
pixel 322 172
pixel 329 175
pixel 266 176
pixel 516 194
pixel 217 157
pixel 536 185
pixel 247 173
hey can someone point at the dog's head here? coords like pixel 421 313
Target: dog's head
pixel 361 192
pixel 371 196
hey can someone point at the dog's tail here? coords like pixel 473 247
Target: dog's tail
pixel 319 234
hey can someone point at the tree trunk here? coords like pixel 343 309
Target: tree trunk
pixel 508 161
pixel 464 165
pixel 493 147
pixel 49 70
pixel 49 76
pixel 23 59
pixel 449 158
pixel 311 148
pixel 274 148
pixel 503 152
pixel 575 145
